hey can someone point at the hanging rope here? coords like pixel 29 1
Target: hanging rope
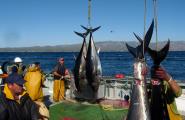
pixel 144 19
pixel 155 20
pixel 144 25
pixel 89 13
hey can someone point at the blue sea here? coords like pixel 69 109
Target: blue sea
pixel 112 62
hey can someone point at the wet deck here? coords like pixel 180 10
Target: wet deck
pixel 112 86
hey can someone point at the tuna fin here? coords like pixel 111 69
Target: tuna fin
pixel 131 50
pixel 138 51
pixel 93 30
pixel 79 34
pixel 90 29
pixel 148 36
pixel 83 35
pixel 84 27
pixel 159 56
pixel 138 38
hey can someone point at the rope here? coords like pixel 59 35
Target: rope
pixel 144 26
pixel 111 108
pixel 89 13
pixel 144 19
pixel 155 20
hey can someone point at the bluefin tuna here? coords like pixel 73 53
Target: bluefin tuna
pixel 158 103
pixel 93 64
pixel 80 65
pixel 139 106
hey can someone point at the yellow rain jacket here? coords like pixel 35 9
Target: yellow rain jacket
pixel 35 80
pixel 9 95
pixel 171 104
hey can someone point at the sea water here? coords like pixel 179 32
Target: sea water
pixel 112 62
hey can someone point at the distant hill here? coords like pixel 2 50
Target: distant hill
pixel 106 46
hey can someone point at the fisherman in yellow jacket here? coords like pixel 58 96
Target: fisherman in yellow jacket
pixel 15 103
pixel 35 80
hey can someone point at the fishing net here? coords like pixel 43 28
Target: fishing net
pixel 78 111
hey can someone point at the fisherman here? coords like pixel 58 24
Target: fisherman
pixel 15 103
pixel 171 91
pixel 9 67
pixel 35 80
pixel 60 74
pixel 19 64
pixel 13 70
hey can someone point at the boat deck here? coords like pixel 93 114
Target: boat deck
pixel 110 89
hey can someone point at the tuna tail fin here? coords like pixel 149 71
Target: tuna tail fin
pixel 90 29
pixel 93 30
pixel 148 36
pixel 83 35
pixel 159 56
pixel 138 51
pixel 138 38
pixel 84 27
pixel 79 34
pixel 131 50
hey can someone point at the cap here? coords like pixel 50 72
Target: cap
pixel 15 78
pixel 17 59
pixel 61 59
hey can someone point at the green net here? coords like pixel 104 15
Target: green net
pixel 77 111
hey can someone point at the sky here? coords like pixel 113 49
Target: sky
pixel 26 23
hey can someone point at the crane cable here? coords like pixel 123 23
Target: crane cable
pixel 144 18
pixel 89 13
pixel 144 25
pixel 155 20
